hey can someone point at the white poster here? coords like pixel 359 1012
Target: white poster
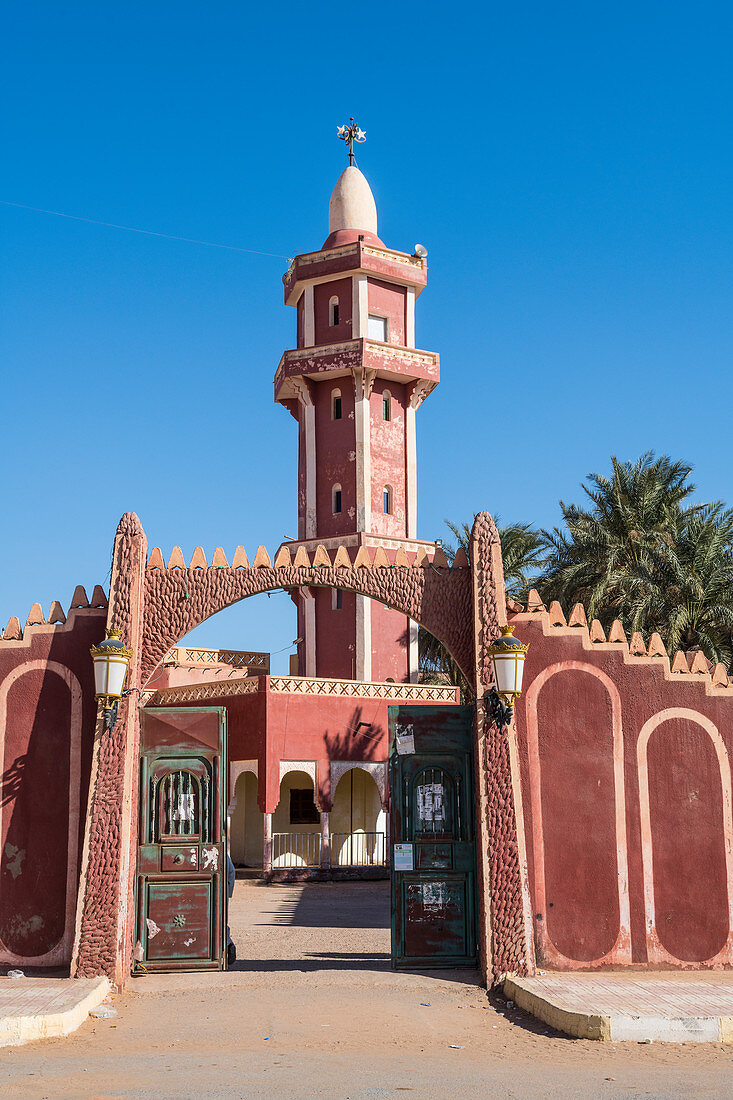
pixel 431 802
pixel 402 858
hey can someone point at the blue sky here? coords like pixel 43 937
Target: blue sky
pixel 567 166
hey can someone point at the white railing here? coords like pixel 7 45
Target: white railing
pixel 296 850
pixel 358 850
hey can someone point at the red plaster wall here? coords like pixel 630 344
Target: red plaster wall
pixel 322 294
pixel 388 459
pixel 335 459
pixel 684 871
pixel 390 643
pixel 389 300
pixel 686 811
pixel 335 634
pixel 577 799
pixel 37 741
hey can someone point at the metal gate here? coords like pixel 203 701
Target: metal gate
pixel 181 861
pixel 433 835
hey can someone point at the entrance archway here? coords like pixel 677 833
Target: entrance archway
pixel 154 605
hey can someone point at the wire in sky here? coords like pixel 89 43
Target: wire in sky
pixel 145 232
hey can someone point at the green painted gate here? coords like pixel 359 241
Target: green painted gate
pixel 181 859
pixel 433 837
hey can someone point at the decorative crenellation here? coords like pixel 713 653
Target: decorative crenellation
pixel 195 657
pixel 344 557
pixel 57 618
pixel 194 693
pixel 358 689
pixel 692 667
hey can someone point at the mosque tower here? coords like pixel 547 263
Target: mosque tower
pixel 354 383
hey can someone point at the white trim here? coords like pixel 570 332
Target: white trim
pixel 413 655
pixel 309 317
pixel 307 766
pixel 363 638
pixel 361 314
pixel 410 318
pixel 237 768
pixel 376 768
pixel 363 462
pixel 411 470
pixel 309 613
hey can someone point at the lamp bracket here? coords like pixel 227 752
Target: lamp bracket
pixel 110 715
pixel 497 710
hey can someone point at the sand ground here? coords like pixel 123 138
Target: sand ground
pixel 312 1008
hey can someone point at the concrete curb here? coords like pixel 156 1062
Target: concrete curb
pixel 619 1027
pixel 28 1027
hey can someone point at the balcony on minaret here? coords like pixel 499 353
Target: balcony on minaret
pixel 353 382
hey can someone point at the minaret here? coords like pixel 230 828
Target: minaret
pixel 354 383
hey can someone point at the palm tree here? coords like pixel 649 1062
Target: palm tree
pixel 686 589
pixel 605 549
pixel 522 550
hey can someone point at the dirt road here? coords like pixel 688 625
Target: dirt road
pixel 313 1009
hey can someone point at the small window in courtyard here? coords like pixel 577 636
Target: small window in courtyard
pixel 387 500
pixel 303 810
pixel 333 311
pixel 336 500
pixel 386 405
pixel 336 412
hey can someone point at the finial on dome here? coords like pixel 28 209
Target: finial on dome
pixel 351 133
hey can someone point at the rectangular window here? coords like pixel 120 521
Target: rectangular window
pixel 377 328
pixel 337 408
pixel 337 502
pixel 387 502
pixel 303 810
pixel 386 408
pixel 337 601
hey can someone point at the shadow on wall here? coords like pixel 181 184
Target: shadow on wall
pixel 35 813
pixel 361 739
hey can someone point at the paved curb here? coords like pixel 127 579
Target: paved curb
pixel 618 1027
pixel 16 1030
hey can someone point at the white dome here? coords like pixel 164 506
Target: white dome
pixel 352 204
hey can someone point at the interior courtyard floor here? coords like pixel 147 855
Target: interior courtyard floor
pixel 312 1008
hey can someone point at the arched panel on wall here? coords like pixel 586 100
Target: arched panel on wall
pixel 577 799
pixel 40 737
pixel 687 835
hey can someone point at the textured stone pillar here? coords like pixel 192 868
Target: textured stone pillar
pixel 266 842
pixel 505 932
pixel 325 841
pixel 105 917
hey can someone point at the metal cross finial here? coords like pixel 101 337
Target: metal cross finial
pixel 351 133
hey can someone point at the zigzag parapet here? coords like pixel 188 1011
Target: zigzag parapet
pixel 57 619
pixel 692 667
pixel 428 590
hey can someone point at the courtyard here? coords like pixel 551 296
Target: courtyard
pixel 312 1008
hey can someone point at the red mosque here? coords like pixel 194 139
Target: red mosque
pixel 594 829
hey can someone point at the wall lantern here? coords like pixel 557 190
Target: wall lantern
pixel 507 660
pixel 111 658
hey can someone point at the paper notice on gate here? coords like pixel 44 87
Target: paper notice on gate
pixel 405 740
pixel 402 857
pixel 431 802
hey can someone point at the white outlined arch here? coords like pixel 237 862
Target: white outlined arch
pixel 236 768
pixel 377 770
pixel 620 953
pixel 655 950
pixel 61 951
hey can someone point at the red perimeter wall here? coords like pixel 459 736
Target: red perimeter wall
pixel 47 718
pixel 626 789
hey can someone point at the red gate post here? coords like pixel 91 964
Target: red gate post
pixel 505 925
pixel 105 910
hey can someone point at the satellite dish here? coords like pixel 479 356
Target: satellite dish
pixel 421 251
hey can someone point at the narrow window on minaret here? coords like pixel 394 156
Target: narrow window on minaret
pixel 333 311
pixel 336 499
pixel 387 500
pixel 336 405
pixel 337 599
pixel 377 328
pixel 386 405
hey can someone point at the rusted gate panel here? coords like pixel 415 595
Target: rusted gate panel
pixel 433 833
pixel 181 872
